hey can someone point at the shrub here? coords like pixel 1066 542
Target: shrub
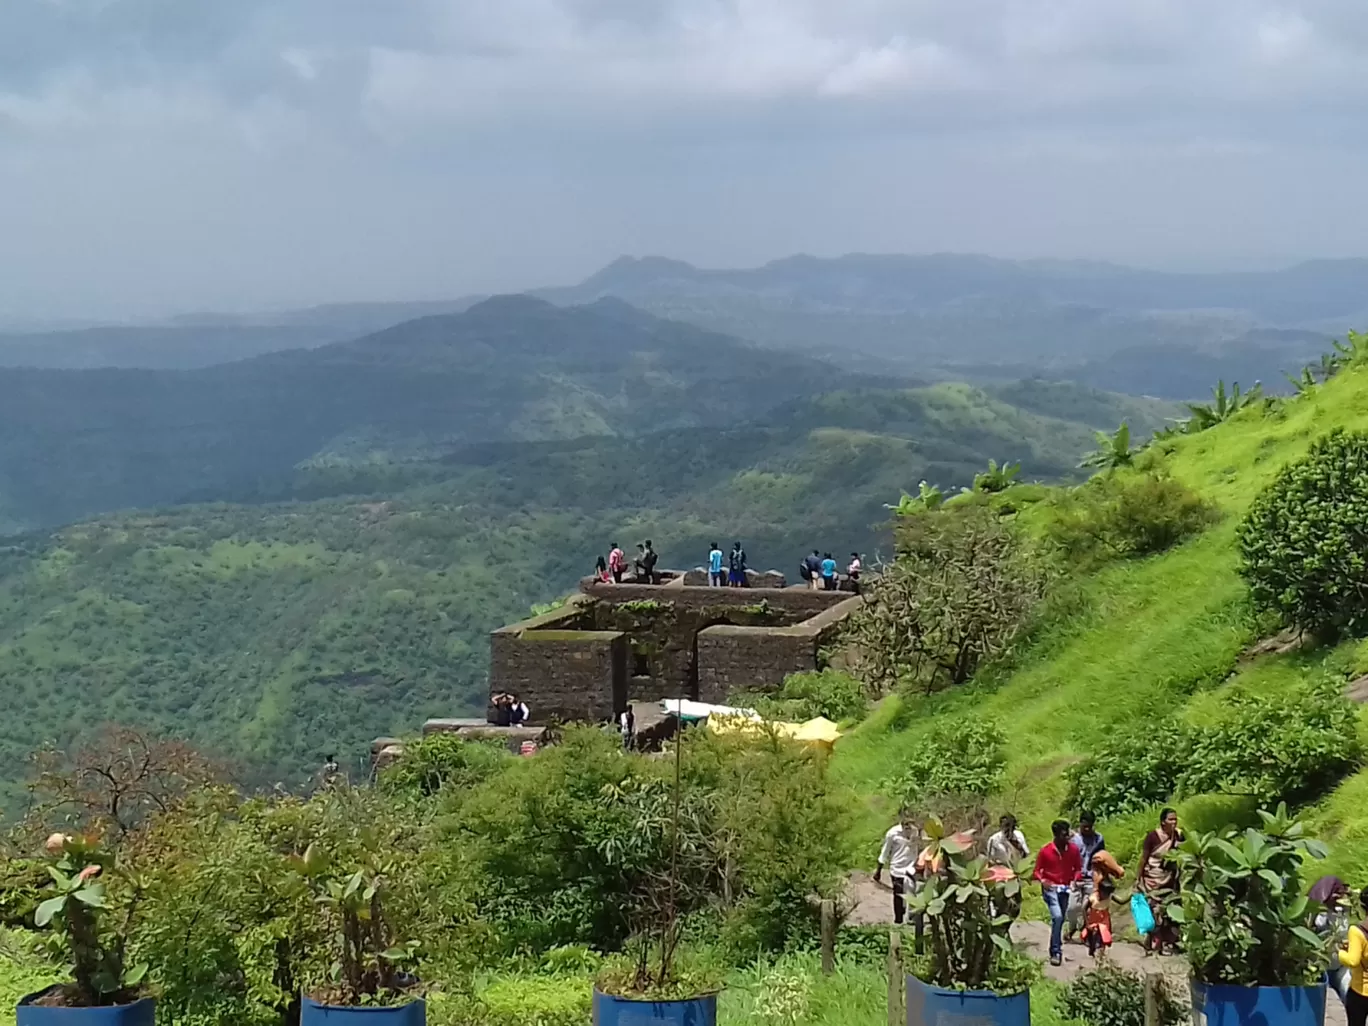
pixel 966 760
pixel 960 594
pixel 1131 771
pixel 837 696
pixel 442 760
pixel 1243 910
pixel 1304 542
pixel 1111 996
pixel 1288 748
pixel 1125 516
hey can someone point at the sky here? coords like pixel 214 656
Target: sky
pixel 162 156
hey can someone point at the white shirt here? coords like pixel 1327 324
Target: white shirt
pixel 899 851
pixel 622 721
pixel 1001 852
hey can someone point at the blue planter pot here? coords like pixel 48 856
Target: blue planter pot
pixel 616 1011
pixel 412 1014
pixel 140 1013
pixel 1257 1006
pixel 938 1006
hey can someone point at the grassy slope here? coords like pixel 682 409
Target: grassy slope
pixel 1150 635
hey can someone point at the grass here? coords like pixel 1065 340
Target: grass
pixel 1141 638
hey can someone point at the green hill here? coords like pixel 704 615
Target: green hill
pixel 75 443
pixel 1143 639
pixel 278 631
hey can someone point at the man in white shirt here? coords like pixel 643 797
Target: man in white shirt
pixel 901 846
pixel 1008 847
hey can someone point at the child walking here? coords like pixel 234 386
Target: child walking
pixel 1097 925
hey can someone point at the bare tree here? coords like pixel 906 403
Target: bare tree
pixel 117 778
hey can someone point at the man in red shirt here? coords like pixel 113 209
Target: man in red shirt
pixel 1058 865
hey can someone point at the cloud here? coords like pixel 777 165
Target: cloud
pixel 711 129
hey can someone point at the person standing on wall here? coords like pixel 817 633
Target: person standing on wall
pixel 1058 866
pixel 737 567
pixel 828 573
pixel 617 563
pixel 648 563
pixel 715 578
pixel 853 572
pixel 813 565
pixel 899 854
pixel 627 724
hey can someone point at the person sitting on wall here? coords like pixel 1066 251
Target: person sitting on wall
pixel 521 713
pixel 503 711
pixel 601 574
pixel 737 567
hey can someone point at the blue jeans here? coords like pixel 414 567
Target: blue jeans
pixel 1057 901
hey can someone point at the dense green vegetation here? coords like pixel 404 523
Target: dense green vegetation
pixel 278 632
pixel 1132 687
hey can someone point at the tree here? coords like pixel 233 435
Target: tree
pixel 114 781
pixel 1304 542
pixel 1112 450
pixel 995 478
pixel 960 593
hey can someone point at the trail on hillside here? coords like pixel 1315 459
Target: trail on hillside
pixel 873 906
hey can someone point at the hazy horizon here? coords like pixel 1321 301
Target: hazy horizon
pixel 273 154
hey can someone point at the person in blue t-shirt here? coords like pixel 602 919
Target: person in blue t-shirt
pixel 715 567
pixel 828 572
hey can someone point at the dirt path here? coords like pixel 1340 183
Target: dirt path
pixel 873 905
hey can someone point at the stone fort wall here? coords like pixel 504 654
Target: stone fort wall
pixel 617 643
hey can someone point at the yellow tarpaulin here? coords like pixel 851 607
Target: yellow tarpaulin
pixel 820 731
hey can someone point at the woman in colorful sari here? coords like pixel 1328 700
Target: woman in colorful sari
pixel 1158 880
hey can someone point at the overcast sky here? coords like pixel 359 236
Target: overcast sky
pixel 172 155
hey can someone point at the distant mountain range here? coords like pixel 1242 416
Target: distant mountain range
pixel 938 317
pixel 73 443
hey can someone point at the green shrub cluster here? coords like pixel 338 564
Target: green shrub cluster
pixel 1124 516
pixel 1112 996
pixel 968 760
pixel 1304 541
pixel 1289 748
pixel 485 862
pixel 804 696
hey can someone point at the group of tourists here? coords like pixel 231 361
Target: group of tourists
pixel 821 572
pixel 1076 873
pixel 614 568
pixel 734 575
pixel 510 711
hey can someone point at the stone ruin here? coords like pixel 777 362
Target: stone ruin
pixel 616 644
pixel 613 644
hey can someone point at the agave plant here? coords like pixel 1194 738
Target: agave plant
pixel 928 497
pixel 995 478
pixel 1223 406
pixel 1305 384
pixel 1112 450
pixel 1353 350
pixel 1242 909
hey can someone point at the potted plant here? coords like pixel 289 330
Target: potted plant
pixel 365 982
pixel 970 971
pixel 1243 917
pixel 663 859
pixel 104 989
